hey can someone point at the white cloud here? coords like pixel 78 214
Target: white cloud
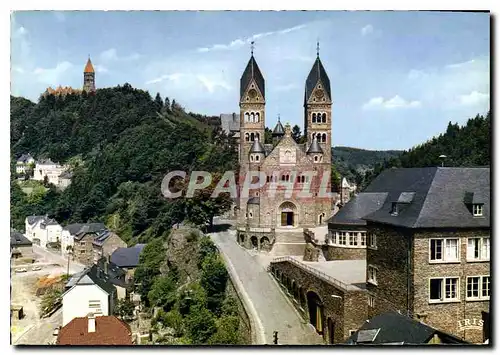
pixel 367 30
pixel 474 98
pixel 171 77
pixel 460 65
pixel 212 84
pixel 18 69
pixel 238 43
pixel 52 76
pixel 100 68
pixel 111 55
pixel 393 103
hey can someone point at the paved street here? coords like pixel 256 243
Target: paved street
pixel 273 310
pixel 52 257
pixel 42 331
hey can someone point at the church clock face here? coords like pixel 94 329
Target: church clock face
pixel 319 94
pixel 252 93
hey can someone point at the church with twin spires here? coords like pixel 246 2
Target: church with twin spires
pixel 271 215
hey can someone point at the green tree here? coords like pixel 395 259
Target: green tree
pixel 124 309
pixel 200 324
pixel 227 332
pixel 214 278
pixel 268 136
pixel 158 102
pixel 162 293
pixel 296 134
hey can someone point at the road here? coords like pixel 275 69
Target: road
pixel 273 312
pixel 34 330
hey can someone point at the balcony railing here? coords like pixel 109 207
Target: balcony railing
pixel 313 271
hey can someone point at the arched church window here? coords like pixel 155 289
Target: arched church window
pixel 287 177
pixel 257 136
pixel 283 177
pixel 257 117
pixel 252 117
pixel 323 117
pixel 251 157
pixel 314 118
pixel 324 137
pixel 252 137
pixel 316 158
pixel 247 137
pixel 257 158
pixel 247 117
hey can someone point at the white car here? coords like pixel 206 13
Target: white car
pixel 36 268
pixel 23 269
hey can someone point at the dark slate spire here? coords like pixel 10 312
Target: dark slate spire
pixel 316 74
pixel 252 71
pixel 314 147
pixel 257 147
pixel 279 130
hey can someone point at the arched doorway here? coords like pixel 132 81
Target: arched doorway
pixel 255 242
pixel 331 331
pixel 242 238
pixel 315 308
pixel 288 214
pixel 265 244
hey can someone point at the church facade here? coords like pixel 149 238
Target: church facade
pixel 296 191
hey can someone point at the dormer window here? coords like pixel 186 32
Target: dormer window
pixel 394 209
pixel 477 209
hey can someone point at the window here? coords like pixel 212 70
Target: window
pixel 394 209
pixel 443 289
pixel 94 304
pixel 351 332
pixel 334 237
pixel 251 157
pixel 478 249
pixel 372 274
pixel 363 239
pixel 478 288
pixel 444 250
pixel 371 301
pixel 372 240
pixel 477 210
pixel 353 239
pixel 342 238
pixel 256 158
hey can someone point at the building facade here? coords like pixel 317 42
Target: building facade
pixel 105 244
pixel 289 174
pixel 42 230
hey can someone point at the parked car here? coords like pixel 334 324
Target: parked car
pixel 36 268
pixel 23 269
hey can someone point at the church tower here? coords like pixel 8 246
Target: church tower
pixel 252 110
pixel 89 77
pixel 318 111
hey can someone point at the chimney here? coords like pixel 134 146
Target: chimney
pixel 91 319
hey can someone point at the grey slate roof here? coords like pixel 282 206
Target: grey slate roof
pixel 230 122
pixel 66 175
pixel 252 71
pixel 34 219
pixel 314 147
pixel 92 276
pixel 115 274
pixel 73 228
pixel 317 73
pixel 127 257
pixel 17 239
pixel 438 199
pixel 358 207
pixel 257 147
pixel 392 327
pixel 89 228
pixel 101 237
pixel 279 130
pixel 24 158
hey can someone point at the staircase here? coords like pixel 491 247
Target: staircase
pixel 288 242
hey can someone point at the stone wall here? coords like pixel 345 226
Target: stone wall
pixel 347 310
pixel 332 252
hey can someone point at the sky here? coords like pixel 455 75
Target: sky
pixel 397 78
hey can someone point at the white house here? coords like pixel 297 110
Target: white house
pixel 41 230
pixel 88 292
pixel 50 169
pixel 23 163
pixel 64 180
pixel 68 235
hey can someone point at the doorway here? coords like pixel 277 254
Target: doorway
pixel 286 219
pixel 331 331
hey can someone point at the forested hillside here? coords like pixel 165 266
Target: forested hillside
pixel 127 142
pixel 466 146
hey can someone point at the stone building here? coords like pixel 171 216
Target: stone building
pixel 428 249
pixel 276 212
pixel 88 84
pixel 105 243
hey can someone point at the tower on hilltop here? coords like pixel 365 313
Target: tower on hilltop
pixel 89 77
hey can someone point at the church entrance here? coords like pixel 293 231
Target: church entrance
pixel 288 214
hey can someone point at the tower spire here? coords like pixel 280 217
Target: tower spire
pixel 252 47
pixel 317 48
pixel 278 117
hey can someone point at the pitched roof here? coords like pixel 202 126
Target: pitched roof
pixel 92 276
pixel 252 71
pixel 279 130
pixel 73 228
pixel 230 122
pixel 393 327
pixel 109 330
pixel 24 158
pixel 89 228
pixel 358 207
pixel 34 219
pixel 314 147
pixel 18 239
pixel 127 257
pixel 317 73
pixel 115 274
pixel 66 175
pixel 102 236
pixel 89 68
pixel 257 147
pixel 432 197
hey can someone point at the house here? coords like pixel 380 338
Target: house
pixel 23 163
pixel 127 258
pixel 64 180
pixel 105 243
pixel 89 291
pixel 20 246
pixel 42 230
pixel 82 242
pixel 117 276
pixel 428 247
pixel 67 235
pixel 92 330
pixel 393 328
pixel 47 167
pixel 346 191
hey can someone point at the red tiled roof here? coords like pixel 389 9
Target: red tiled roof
pixel 109 330
pixel 89 68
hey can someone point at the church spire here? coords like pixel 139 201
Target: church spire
pixel 252 73
pixel 89 77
